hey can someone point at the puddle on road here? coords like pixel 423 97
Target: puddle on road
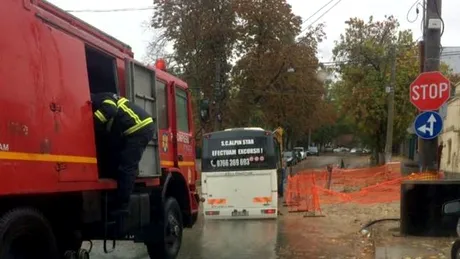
pixel 290 237
pixel 232 239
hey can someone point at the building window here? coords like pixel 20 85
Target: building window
pixel 162 104
pixel 182 110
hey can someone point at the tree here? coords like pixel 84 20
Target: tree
pixel 364 67
pixel 453 77
pixel 275 80
pixel 203 33
pixel 260 90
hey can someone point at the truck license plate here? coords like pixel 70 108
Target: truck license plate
pixel 240 213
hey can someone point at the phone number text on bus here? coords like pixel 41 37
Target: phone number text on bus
pixel 231 162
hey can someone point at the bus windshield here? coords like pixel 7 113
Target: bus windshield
pixel 238 151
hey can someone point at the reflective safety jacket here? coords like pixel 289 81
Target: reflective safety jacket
pixel 112 111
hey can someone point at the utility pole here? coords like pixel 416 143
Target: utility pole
pixel 432 40
pixel 217 95
pixel 391 106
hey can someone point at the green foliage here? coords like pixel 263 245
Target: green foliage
pixel 260 90
pixel 363 51
pixel 327 133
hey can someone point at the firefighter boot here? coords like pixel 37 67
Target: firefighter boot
pixel 70 255
pixel 82 254
pixel 118 216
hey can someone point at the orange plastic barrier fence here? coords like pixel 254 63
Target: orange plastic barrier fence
pixel 307 190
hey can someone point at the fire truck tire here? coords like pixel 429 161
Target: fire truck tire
pixel 170 238
pixel 455 250
pixel 25 233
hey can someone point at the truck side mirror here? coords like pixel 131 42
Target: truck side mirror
pixel 451 208
pixel 204 110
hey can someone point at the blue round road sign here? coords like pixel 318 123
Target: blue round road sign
pixel 428 125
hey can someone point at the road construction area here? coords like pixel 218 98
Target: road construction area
pixel 330 229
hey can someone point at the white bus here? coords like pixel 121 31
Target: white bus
pixel 239 174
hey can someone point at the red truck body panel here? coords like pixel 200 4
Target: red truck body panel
pixel 47 141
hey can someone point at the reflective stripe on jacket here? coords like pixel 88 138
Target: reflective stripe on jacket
pixel 111 110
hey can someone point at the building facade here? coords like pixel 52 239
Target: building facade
pixel 450 136
pixel 451 57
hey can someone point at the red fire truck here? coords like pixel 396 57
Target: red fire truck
pixel 54 187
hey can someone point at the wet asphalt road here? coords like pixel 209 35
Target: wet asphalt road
pixel 288 237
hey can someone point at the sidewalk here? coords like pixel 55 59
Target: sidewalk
pixel 388 244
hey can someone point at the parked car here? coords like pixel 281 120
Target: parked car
pixel 366 151
pixel 328 149
pixel 356 150
pixel 360 151
pixel 298 154
pixel 302 152
pixel 341 149
pixel 452 208
pixel 290 158
pixel 313 151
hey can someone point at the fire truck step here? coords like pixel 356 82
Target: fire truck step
pixel 79 254
pixel 114 244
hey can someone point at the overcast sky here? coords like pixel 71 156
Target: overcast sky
pixel 130 27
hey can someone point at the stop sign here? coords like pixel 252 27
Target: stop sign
pixel 429 91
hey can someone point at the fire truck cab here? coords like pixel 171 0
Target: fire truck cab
pixel 57 178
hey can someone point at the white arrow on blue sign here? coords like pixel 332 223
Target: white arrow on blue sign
pixel 428 125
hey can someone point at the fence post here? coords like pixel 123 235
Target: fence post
pixel 329 176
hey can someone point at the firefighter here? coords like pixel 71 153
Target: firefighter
pixel 131 127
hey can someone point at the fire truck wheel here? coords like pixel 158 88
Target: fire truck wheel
pixel 25 233
pixel 171 237
pixel 455 251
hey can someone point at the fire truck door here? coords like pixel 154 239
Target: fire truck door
pixel 140 89
pixel 185 144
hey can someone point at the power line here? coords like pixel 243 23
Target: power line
pixel 415 4
pixel 332 64
pixel 327 11
pixel 110 10
pixel 317 11
pixel 290 93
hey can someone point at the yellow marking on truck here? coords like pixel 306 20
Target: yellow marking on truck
pixel 68 159
pixel 167 163
pixel 46 157
pixel 217 201
pixel 262 199
pixel 186 163
pixel 181 163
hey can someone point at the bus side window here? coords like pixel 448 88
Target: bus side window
pixel 162 105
